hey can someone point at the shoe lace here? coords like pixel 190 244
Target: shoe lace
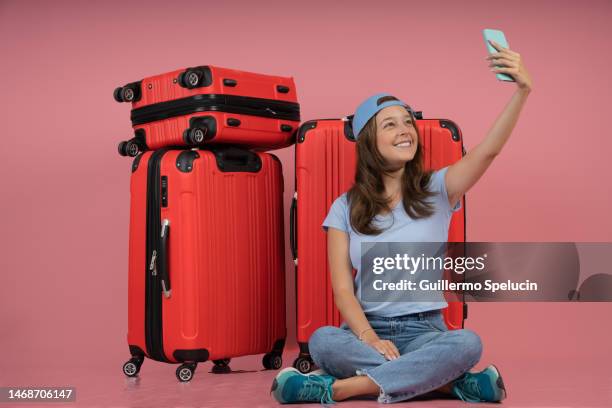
pixel 470 387
pixel 315 387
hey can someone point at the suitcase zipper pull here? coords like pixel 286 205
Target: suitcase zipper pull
pixel 165 278
pixel 271 111
pixel 167 292
pixel 153 264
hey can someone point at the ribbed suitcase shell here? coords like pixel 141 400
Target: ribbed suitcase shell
pixel 325 168
pixel 226 262
pixel 256 132
pixel 165 87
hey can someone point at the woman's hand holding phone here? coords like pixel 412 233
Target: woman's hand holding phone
pixel 506 61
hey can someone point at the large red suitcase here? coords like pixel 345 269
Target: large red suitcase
pixel 206 265
pixel 325 168
pixel 208 104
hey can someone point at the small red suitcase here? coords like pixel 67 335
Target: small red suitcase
pixel 206 265
pixel 325 168
pixel 208 104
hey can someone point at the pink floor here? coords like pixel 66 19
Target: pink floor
pixel 538 383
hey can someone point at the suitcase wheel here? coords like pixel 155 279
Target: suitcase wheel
pixel 222 363
pixel 121 148
pixel 221 366
pixel 303 364
pixel 132 367
pixel 196 135
pixel 190 79
pixel 272 361
pixel 117 94
pixel 184 372
pixel 128 94
pixel 132 149
pixel 129 148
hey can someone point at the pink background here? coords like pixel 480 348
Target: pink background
pixel 65 191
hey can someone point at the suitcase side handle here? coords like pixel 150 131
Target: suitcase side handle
pixel 293 227
pixel 163 258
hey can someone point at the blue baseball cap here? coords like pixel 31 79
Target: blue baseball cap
pixel 371 107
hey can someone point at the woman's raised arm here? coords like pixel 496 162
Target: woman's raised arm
pixel 462 175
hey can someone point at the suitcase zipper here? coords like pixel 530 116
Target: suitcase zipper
pixel 153 297
pixel 242 105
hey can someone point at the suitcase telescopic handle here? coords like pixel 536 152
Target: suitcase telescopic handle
pixel 163 258
pixel 293 227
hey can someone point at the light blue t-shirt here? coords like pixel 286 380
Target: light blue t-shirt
pixel 399 228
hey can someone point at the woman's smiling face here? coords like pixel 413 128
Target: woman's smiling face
pixel 396 136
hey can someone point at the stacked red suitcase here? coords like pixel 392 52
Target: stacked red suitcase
pixel 210 105
pixel 206 269
pixel 206 249
pixel 325 161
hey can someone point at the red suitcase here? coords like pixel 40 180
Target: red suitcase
pixel 206 265
pixel 208 104
pixel 325 168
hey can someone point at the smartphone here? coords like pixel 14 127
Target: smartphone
pixel 499 37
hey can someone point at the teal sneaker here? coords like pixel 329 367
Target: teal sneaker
pixel 485 386
pixel 291 386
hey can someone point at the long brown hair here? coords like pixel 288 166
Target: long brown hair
pixel 367 196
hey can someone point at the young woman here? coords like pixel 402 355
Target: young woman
pixel 398 350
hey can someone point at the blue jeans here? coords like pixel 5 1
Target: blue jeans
pixel 430 354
